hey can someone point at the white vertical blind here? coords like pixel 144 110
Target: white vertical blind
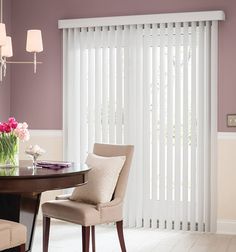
pixel 193 128
pixel 154 129
pixel 83 93
pixel 178 96
pixel 146 126
pixel 91 89
pixel 138 179
pixel 162 163
pixel 149 85
pixel 185 126
pixel 201 117
pixel 112 86
pixel 169 123
pixel 213 122
pixel 119 83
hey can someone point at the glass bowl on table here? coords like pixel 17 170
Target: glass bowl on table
pixel 34 152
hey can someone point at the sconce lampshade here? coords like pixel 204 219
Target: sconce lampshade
pixel 3 36
pixel 7 48
pixel 34 41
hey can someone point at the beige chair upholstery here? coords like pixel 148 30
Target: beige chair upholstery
pixel 12 235
pixel 87 214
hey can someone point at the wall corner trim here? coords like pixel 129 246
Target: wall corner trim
pixel 225 226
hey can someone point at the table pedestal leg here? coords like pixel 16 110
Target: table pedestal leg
pixel 21 208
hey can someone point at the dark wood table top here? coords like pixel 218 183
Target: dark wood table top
pixel 27 179
pixel 25 170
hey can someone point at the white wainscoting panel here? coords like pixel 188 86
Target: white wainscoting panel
pixel 226 191
pixel 51 142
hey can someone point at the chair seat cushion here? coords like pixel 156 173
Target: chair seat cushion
pixel 11 234
pixel 102 179
pixel 72 211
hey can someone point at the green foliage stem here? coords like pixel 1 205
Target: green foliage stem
pixel 9 147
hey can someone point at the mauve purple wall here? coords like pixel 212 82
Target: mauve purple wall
pixel 5 85
pixel 37 99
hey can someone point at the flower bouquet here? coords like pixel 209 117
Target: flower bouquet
pixel 10 134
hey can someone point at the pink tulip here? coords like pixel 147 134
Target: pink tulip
pixel 11 119
pixel 1 128
pixel 6 127
pixel 22 132
pixel 24 125
pixel 12 122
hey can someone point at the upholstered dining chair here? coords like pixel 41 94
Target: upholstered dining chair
pixel 89 215
pixel 12 235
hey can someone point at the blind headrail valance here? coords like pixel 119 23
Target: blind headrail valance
pixel 142 19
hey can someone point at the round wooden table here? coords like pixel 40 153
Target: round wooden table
pixel 21 188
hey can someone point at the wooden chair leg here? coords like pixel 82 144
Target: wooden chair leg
pixel 119 227
pixel 46 230
pixel 85 239
pixel 22 248
pixel 93 239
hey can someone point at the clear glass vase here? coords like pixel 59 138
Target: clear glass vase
pixel 9 150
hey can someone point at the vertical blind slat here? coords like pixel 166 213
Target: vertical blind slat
pixel 146 126
pixel 119 84
pixel 98 85
pixel 178 99
pixel 206 127
pixel 83 96
pixel 213 123
pixel 132 116
pixel 139 127
pixel 105 87
pixel 112 85
pixel 91 92
pixel 193 129
pixel 76 91
pixel 125 89
pixel 201 125
pixel 169 123
pixel 154 150
pixel 65 95
pixel 70 88
pixel 162 129
pixel 185 128
pixel 126 82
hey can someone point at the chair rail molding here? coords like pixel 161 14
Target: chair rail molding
pixel 48 133
pixel 227 135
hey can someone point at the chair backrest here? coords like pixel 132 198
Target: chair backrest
pixel 110 150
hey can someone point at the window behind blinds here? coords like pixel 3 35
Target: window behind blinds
pixel 154 86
